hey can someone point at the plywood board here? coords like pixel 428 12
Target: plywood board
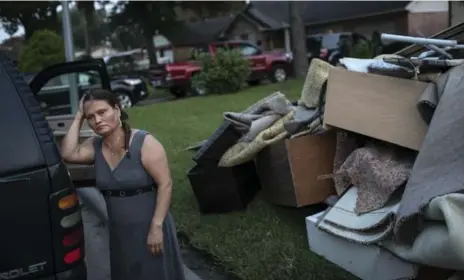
pixel 377 106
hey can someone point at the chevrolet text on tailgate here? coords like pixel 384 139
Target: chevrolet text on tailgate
pixel 21 272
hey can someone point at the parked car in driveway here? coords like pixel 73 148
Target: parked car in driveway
pixel 55 94
pixel 275 66
pixel 331 46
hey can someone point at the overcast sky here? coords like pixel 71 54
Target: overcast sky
pixel 4 35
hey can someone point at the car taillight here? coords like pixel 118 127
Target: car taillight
pixel 323 53
pixel 68 227
pixel 73 256
pixel 68 201
pixel 73 238
pixel 71 220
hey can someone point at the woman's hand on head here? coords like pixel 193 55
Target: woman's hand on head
pixel 81 105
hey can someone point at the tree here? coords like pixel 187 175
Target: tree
pixel 43 49
pixel 98 32
pixel 210 9
pixel 300 61
pixel 32 15
pixel 86 10
pixel 146 18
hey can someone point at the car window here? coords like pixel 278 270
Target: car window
pixel 55 82
pixel 54 96
pixel 330 41
pixel 89 78
pixel 120 64
pixel 248 50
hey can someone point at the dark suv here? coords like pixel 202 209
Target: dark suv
pixel 42 229
pixel 55 94
pixel 331 46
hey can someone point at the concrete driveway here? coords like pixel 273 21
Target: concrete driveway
pixel 96 236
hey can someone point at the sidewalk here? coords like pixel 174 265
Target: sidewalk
pixel 96 246
pixel 190 275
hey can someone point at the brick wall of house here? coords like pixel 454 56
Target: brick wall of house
pixel 182 54
pixel 427 23
pixel 456 12
pixel 396 24
pixel 401 24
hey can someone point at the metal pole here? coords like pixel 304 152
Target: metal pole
pixel 419 41
pixel 69 52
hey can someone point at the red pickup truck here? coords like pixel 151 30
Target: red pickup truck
pixel 275 66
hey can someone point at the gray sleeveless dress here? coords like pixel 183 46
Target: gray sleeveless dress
pixel 130 218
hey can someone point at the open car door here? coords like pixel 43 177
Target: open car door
pixel 52 87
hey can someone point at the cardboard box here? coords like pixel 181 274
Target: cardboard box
pixel 367 262
pixel 223 189
pixel 377 106
pixel 289 170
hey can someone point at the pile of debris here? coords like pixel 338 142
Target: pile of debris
pixel 379 140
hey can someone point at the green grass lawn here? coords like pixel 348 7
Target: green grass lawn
pixel 266 241
pixel 156 93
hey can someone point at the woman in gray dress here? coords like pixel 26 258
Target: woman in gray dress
pixel 133 175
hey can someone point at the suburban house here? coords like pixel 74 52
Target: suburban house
pixel 185 36
pixel 267 24
pixel 268 21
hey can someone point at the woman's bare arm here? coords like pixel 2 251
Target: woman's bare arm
pixel 71 150
pixel 155 161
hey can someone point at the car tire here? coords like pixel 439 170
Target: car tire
pixel 125 100
pixel 279 73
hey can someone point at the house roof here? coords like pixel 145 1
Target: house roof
pixel 192 33
pixel 275 14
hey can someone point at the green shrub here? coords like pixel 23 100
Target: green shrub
pixel 43 49
pixel 363 49
pixel 225 72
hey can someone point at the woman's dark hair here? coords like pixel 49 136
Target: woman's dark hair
pixel 112 100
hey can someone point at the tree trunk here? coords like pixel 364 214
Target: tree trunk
pixel 149 31
pixel 88 50
pixel 300 61
pixel 150 47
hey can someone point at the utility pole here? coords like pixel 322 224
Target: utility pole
pixel 69 52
